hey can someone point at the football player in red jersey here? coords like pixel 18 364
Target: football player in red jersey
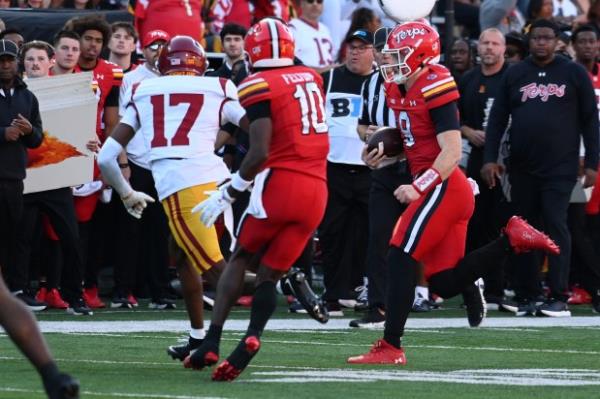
pixel 95 33
pixel 287 162
pixel 433 228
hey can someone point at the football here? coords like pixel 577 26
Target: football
pixel 391 139
pixel 406 10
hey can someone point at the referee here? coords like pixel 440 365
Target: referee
pixel 384 208
pixel 343 231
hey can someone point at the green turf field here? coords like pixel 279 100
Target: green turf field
pixel 508 362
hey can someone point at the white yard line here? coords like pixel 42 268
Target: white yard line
pixel 116 394
pixel 514 377
pixel 90 325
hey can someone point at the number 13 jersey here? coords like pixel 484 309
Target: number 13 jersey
pixel 179 118
pixel 296 106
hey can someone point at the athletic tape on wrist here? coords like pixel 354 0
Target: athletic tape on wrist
pixel 428 180
pixel 239 184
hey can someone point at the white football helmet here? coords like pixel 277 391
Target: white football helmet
pixel 406 10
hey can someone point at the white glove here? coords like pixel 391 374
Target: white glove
pixel 214 205
pixel 135 202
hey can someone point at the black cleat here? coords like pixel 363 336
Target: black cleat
pixel 63 387
pixel 206 354
pixel 315 307
pixel 372 319
pixel 180 352
pixel 475 303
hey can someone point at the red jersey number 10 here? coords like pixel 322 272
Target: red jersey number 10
pixel 195 101
pixel 311 106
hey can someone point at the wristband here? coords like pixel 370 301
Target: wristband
pixel 238 183
pixel 123 165
pixel 428 180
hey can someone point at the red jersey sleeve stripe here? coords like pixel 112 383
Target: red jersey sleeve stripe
pixel 442 98
pixel 436 84
pixel 439 89
pixel 249 83
pixel 253 88
pixel 255 97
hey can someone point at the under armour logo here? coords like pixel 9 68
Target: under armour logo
pixel 412 103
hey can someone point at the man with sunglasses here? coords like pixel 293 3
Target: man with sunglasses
pixel 314 45
pixel 344 230
pixel 153 227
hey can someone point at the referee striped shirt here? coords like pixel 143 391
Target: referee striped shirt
pixel 375 110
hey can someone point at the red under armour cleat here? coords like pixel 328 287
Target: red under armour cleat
pixel 579 296
pixel 381 353
pixel 204 355
pixel 54 300
pixel 91 298
pixel 239 359
pixel 245 301
pixel 132 300
pixel 524 238
pixel 41 294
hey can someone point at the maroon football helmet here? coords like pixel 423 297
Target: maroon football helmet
pixel 182 54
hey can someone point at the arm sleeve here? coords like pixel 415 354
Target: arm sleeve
pixel 112 100
pixel 108 163
pixel 259 110
pixel 445 117
pixel 588 116
pixel 497 121
pixel 229 128
pixel 2 135
pixel 232 112
pixel 34 139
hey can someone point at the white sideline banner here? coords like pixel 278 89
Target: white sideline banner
pixel 68 111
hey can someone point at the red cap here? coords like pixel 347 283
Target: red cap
pixel 154 36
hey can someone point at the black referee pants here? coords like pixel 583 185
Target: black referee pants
pixel 490 215
pixel 544 203
pixel 344 230
pixel 58 206
pixel 384 211
pixel 11 208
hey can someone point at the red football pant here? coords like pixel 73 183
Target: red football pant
pixel 433 229
pixel 295 204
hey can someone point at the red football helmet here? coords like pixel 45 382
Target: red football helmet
pixel 409 47
pixel 270 43
pixel 182 54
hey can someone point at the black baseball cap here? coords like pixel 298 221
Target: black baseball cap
pixel 362 35
pixel 8 47
pixel 381 36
